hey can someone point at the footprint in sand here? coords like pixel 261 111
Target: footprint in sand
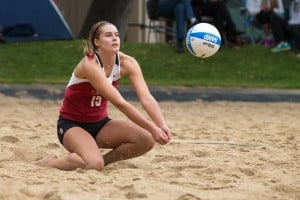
pixel 246 171
pixel 131 192
pixel 188 197
pixel 52 195
pixel 9 139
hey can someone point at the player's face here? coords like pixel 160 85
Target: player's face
pixel 109 39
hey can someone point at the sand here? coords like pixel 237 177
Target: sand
pixel 241 150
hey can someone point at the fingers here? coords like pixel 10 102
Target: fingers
pixel 164 136
pixel 161 138
pixel 168 134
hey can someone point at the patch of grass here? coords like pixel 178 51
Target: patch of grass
pixel 251 66
pixel 38 62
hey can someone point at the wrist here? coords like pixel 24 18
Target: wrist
pixel 152 129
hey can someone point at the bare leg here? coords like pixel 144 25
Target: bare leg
pixel 125 138
pixel 70 162
pixel 123 152
pixel 266 29
pixel 84 154
pixel 45 161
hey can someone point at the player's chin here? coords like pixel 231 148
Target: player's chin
pixel 115 50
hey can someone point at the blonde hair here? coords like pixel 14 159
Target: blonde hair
pixel 95 31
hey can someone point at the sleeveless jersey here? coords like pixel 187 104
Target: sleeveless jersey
pixel 81 102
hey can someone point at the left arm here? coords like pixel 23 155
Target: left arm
pixel 132 69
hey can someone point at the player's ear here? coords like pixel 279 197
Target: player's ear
pixel 97 42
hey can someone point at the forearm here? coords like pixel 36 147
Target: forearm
pixel 153 110
pixel 134 115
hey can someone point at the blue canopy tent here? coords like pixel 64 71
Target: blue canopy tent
pixel 33 20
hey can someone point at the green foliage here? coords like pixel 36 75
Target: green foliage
pixel 250 66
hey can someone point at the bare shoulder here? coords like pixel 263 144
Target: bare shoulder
pixel 87 62
pixel 127 59
pixel 129 65
pixel 85 65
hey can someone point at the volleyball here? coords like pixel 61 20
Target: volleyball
pixel 203 40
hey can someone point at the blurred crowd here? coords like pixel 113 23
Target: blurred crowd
pixel 280 24
pixel 278 20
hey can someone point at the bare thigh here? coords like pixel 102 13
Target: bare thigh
pixel 117 132
pixel 79 141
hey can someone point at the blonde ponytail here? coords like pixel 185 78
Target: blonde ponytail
pixel 86 47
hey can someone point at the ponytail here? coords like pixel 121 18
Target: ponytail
pixel 86 47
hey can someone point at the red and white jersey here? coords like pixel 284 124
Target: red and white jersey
pixel 81 102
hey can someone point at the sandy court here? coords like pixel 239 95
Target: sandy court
pixel 246 151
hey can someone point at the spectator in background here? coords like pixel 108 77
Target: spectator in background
pixel 285 31
pixel 262 11
pixel 222 19
pixel 181 11
pixel 1 35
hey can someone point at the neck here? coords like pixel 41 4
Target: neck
pixel 107 60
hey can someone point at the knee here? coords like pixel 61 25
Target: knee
pixel 87 163
pixel 95 164
pixel 147 142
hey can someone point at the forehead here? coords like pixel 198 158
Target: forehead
pixel 109 28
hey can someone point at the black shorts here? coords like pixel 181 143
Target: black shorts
pixel 93 128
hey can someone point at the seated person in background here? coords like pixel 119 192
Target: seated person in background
pixel 262 11
pixel 1 35
pixel 285 31
pixel 221 19
pixel 181 11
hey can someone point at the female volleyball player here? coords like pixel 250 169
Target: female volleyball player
pixel 84 125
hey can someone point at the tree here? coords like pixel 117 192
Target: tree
pixel 115 11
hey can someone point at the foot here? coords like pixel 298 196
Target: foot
pixel 44 162
pixel 2 38
pixel 179 47
pixel 240 42
pixel 282 46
